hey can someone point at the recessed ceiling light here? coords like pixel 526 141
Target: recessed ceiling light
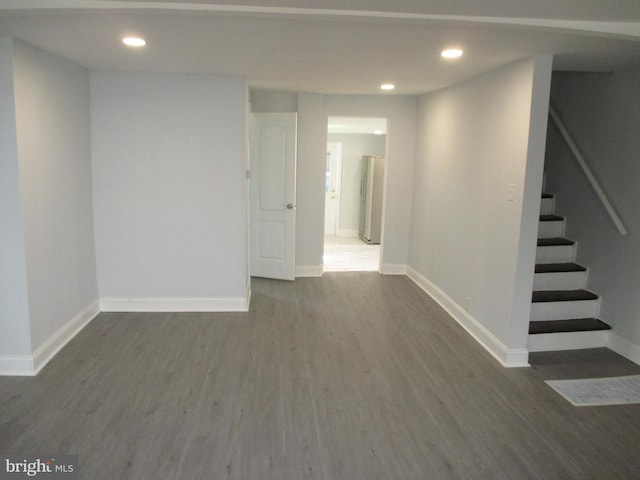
pixel 451 53
pixel 378 132
pixel 387 86
pixel 134 41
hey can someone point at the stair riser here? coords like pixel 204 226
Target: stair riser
pixel 560 281
pixel 547 206
pixel 567 341
pixel 556 254
pixel 564 310
pixel 550 229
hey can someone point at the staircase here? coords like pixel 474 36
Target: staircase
pixel 563 313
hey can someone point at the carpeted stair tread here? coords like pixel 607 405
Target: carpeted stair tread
pixel 551 218
pixel 556 241
pixel 562 296
pixel 572 325
pixel 547 195
pixel 559 267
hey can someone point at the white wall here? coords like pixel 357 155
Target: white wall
pixel 472 241
pixel 169 155
pixel 52 114
pixel 49 287
pixel 312 151
pixel 354 146
pixel 273 102
pixel 601 112
pixel 14 309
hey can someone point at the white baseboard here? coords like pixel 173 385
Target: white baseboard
pixel 54 344
pixel 29 365
pixel 309 270
pixel 624 347
pixel 17 365
pixel 393 269
pixel 508 357
pixel 164 304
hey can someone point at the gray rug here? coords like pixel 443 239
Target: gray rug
pixel 599 391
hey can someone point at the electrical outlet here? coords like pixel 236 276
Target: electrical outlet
pixel 511 190
pixel 467 302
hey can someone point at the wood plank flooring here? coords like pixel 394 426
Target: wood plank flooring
pixel 349 376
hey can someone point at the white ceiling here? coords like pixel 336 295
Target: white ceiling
pixel 331 46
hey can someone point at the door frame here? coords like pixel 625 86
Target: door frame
pixel 385 154
pixel 338 185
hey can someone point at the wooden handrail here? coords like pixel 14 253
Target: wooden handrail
pixel 615 218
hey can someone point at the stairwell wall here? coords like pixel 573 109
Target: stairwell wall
pixel 601 112
pixel 477 181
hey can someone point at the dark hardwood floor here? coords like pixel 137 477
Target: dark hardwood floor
pixel 349 376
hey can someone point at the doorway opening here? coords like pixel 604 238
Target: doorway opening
pixel 354 179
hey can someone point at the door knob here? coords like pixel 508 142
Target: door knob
pixel 289 206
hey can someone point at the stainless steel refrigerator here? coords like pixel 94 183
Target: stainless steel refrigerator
pixel 371 185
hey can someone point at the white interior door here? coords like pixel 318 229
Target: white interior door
pixel 332 188
pixel 273 199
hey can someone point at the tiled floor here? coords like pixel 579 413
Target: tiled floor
pixel 350 254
